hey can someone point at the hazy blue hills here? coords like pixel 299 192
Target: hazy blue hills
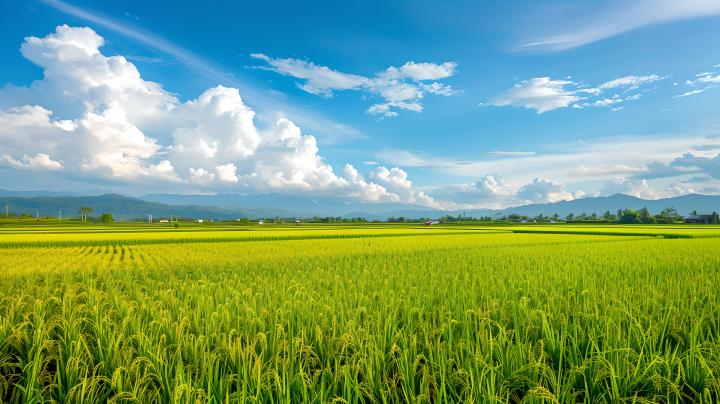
pixel 292 203
pixel 30 194
pixel 126 207
pixel 684 204
pixel 233 206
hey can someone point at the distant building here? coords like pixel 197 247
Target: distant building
pixel 297 222
pixel 260 222
pixel 199 221
pixel 707 219
pixel 432 222
pixel 163 221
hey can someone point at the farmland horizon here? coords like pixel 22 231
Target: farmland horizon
pixel 230 205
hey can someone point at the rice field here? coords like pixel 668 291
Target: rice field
pixel 384 314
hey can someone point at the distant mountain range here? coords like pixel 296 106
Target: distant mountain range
pixel 234 206
pixel 685 204
pixel 123 207
pixel 31 194
pixel 291 203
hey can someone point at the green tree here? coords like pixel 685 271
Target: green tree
pixel 176 225
pixel 569 217
pixel 645 216
pixel 594 216
pixel 670 213
pixel 106 218
pixel 630 216
pixel 84 211
pixel 607 215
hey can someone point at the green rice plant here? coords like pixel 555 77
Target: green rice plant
pixel 437 316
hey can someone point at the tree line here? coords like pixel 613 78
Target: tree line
pixel 625 216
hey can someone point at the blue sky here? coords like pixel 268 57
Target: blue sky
pixel 450 105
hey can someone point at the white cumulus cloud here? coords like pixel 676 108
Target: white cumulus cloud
pixel 542 190
pixel 544 94
pixel 210 142
pixel 629 186
pixel 400 87
pixel 39 162
pixel 541 94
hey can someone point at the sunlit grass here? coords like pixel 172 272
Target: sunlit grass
pixel 467 317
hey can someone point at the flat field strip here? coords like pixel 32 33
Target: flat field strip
pixel 129 234
pixel 433 317
pixel 172 237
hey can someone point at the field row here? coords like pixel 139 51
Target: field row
pixel 21 237
pixel 432 318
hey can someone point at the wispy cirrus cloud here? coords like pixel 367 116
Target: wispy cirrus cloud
pixel 694 91
pixel 139 34
pixel 604 170
pixel 614 18
pixel 515 153
pixel 705 77
pixel 405 158
pixel 158 60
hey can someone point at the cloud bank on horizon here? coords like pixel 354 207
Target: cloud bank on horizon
pixel 93 118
